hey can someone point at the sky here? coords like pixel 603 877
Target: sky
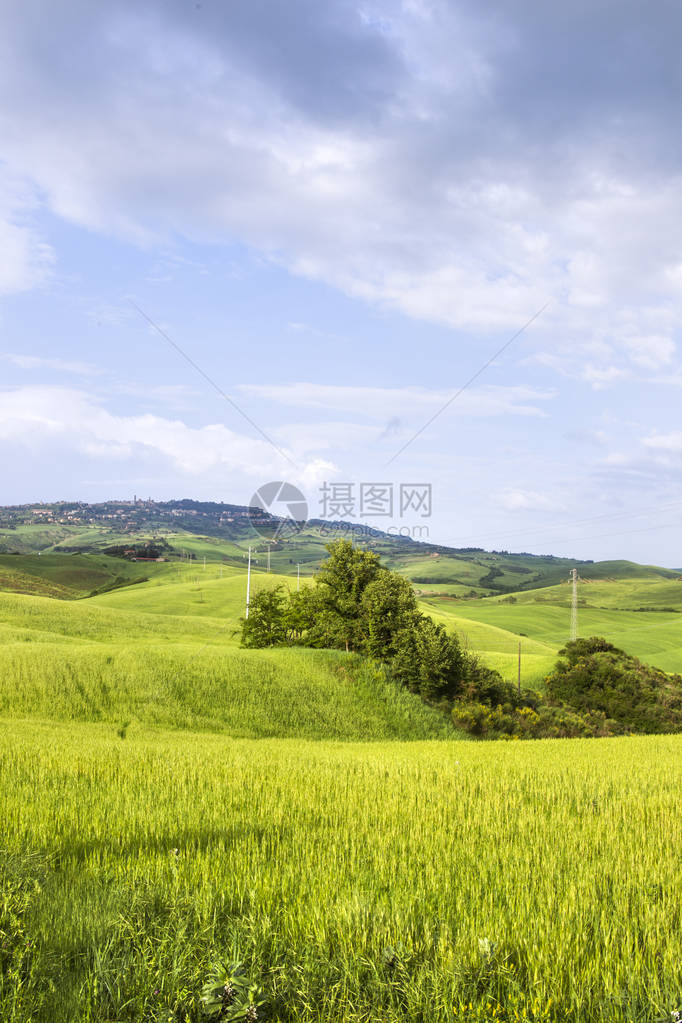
pixel 251 241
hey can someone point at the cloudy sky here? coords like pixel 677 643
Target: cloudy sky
pixel 340 212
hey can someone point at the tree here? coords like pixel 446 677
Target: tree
pixel 358 605
pixel 339 586
pixel 266 624
pixel 388 609
pixel 593 675
pixel 429 660
pixel 486 685
pixel 299 617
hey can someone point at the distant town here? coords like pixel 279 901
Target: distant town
pixel 134 515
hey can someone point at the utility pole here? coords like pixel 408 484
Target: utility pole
pixel 519 672
pixel 248 586
pixel 298 578
pixel 204 562
pixel 268 557
pixel 574 604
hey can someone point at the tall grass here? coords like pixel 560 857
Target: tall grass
pixel 276 693
pixel 436 881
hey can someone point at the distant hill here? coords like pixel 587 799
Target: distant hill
pixel 188 530
pixel 494 600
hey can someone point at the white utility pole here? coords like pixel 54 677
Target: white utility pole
pixel 248 586
pixel 204 562
pixel 298 578
pixel 268 557
pixel 574 604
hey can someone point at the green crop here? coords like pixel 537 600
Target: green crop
pixel 355 882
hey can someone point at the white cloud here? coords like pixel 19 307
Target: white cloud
pixel 404 154
pixel 602 376
pixel 26 257
pixel 31 362
pixel 523 500
pixel 33 417
pixel 651 351
pixel 385 404
pixel 668 442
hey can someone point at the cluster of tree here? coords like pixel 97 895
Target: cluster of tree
pixel 595 690
pixel 593 675
pixel 358 605
pixel 150 549
pixel 489 578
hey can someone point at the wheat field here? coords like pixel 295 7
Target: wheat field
pixel 358 882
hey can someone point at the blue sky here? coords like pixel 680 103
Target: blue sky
pixel 340 212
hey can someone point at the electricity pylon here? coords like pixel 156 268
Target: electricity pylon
pixel 574 604
pixel 248 586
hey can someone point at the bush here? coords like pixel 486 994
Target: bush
pixel 593 675
pixel 543 722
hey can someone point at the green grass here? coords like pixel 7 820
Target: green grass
pixel 321 817
pixel 167 655
pixel 255 694
pixel 310 860
pixel 497 645
pixel 541 620
pixel 189 590
pixel 68 576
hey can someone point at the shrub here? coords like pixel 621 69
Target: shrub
pixel 593 675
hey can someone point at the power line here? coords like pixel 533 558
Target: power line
pixel 560 525
pixel 593 536
pixel 213 384
pixel 467 384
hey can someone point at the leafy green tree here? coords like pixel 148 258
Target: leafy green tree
pixel 266 624
pixel 339 586
pixel 388 609
pixel 429 660
pixel 300 615
pixel 441 664
pixel 486 685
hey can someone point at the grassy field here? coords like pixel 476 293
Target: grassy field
pixel 533 881
pixel 69 576
pixel 168 799
pixel 186 603
pixel 627 611
pixel 168 654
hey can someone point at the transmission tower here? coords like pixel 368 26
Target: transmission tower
pixel 248 585
pixel 574 604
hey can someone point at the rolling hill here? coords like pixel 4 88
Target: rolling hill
pixel 493 600
pixel 169 797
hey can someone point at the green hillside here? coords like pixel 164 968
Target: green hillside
pixel 167 655
pixel 221 533
pixel 635 607
pixel 628 612
pixel 68 576
pixel 492 600
pixel 170 800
